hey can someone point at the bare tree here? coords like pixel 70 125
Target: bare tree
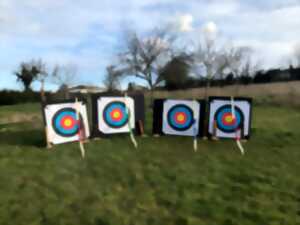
pixel 234 58
pixel 250 66
pixel 238 60
pixel 144 57
pixel 239 63
pixel 209 61
pixel 64 76
pixel 112 78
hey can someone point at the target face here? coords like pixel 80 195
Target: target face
pixel 221 122
pixel 65 123
pixel 115 115
pixel 62 123
pixel 181 117
pixel 225 120
pixel 112 114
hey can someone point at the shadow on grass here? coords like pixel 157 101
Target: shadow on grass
pixel 23 136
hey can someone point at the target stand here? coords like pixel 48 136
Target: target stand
pixel 222 123
pixel 116 114
pixel 61 122
pixel 178 117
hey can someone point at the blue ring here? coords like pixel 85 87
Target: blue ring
pixel 229 128
pixel 180 109
pixel 58 117
pixel 107 117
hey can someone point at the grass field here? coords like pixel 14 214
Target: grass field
pixel 163 182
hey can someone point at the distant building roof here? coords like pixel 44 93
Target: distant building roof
pixel 84 89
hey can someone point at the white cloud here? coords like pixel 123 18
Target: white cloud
pixel 186 23
pixel 210 29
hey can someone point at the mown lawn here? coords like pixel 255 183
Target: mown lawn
pixel 163 182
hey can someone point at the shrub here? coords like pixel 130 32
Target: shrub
pixel 15 97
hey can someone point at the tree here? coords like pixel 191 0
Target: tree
pixel 131 87
pixel 64 76
pixel 29 72
pixel 112 78
pixel 144 57
pixel 238 61
pixel 209 61
pixel 249 70
pixel 240 64
pixel 295 73
pixel 176 72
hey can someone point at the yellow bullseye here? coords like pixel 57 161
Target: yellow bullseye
pixel 116 115
pixel 180 117
pixel 229 119
pixel 68 122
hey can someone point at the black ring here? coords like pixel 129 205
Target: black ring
pixel 236 108
pixel 106 120
pixel 188 126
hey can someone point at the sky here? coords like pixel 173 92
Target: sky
pixel 90 33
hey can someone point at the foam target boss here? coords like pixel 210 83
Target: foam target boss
pixel 230 117
pixel 178 117
pixel 62 123
pixel 116 114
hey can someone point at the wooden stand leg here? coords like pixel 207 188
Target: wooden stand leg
pixel 214 137
pixel 141 128
pixel 49 145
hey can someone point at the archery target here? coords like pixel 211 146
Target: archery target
pixel 65 122
pixel 114 114
pixel 181 117
pixel 225 120
pixel 62 122
pixel 223 124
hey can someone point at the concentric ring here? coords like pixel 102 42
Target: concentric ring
pixel 64 122
pixel 225 121
pixel 180 117
pixel 115 115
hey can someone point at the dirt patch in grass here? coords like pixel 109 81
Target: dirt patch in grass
pixel 20 118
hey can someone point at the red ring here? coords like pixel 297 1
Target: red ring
pixel 73 122
pixel 116 111
pixel 226 122
pixel 180 114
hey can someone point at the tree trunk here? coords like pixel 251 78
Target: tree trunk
pixel 151 96
pixel 43 96
pixel 151 90
pixel 67 93
pixel 27 88
pixel 236 91
pixel 206 93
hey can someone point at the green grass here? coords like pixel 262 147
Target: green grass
pixel 163 182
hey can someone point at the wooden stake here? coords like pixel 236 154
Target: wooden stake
pixel 49 145
pixel 214 137
pixel 141 127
